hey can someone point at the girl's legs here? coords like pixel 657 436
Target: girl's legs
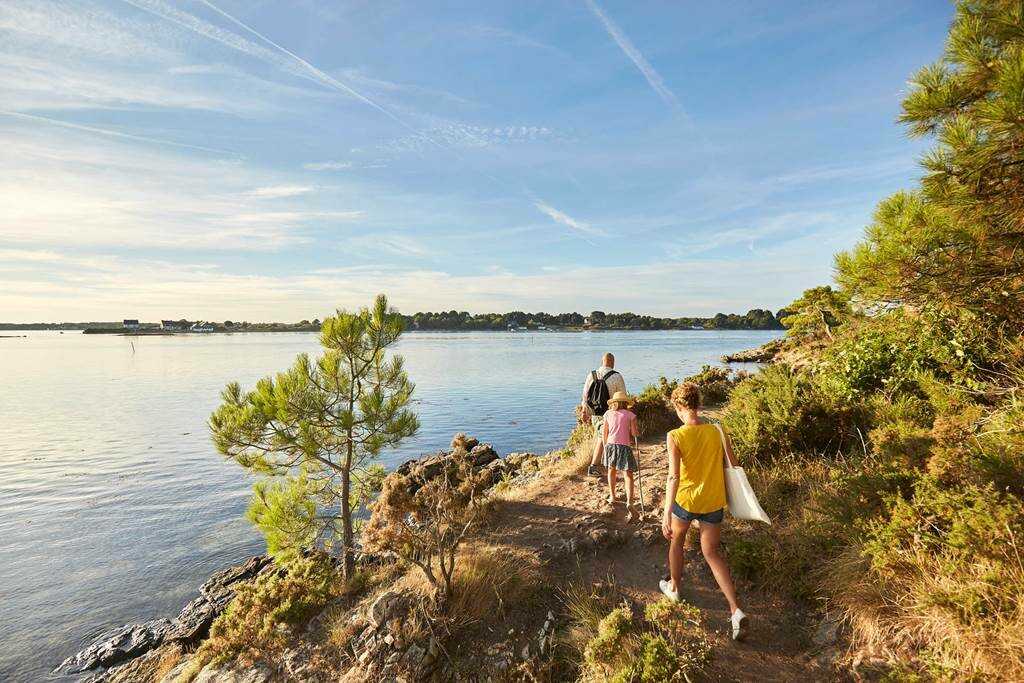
pixel 676 560
pixel 710 535
pixel 612 477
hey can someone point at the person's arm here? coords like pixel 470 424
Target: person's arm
pixel 634 427
pixel 728 449
pixel 671 485
pixel 604 432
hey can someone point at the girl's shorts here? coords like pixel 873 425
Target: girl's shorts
pixel 706 517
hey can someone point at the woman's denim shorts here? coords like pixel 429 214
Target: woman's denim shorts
pixel 706 517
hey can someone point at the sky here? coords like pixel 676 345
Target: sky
pixel 278 159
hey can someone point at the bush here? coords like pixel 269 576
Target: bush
pixel 250 629
pixel 780 412
pixel 654 415
pixel 947 567
pixel 423 519
pixel 666 645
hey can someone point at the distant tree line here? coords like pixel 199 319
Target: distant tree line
pixel 755 319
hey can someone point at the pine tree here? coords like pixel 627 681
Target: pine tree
pixel 957 243
pixel 818 312
pixel 315 429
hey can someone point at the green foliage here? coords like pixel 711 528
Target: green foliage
pixel 755 319
pixel 780 412
pixel 316 428
pixel 607 648
pixel 817 313
pixel 668 644
pixel 253 626
pixel 957 243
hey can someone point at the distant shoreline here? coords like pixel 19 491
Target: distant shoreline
pixel 186 333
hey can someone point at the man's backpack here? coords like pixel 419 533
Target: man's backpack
pixel 598 394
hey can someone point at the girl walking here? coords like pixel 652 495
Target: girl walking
pixel 617 433
pixel 695 491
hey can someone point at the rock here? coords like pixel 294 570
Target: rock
pixel 234 674
pixel 389 605
pixel 117 646
pixel 762 354
pixel 515 460
pixel 483 454
pixel 827 632
pixel 193 623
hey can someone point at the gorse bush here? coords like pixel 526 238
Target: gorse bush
pixel 781 412
pixel 665 644
pixel 252 628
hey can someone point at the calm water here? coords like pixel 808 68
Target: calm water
pixel 114 506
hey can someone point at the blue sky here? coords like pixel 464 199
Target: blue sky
pixel 259 160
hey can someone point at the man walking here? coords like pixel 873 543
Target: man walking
pixel 600 385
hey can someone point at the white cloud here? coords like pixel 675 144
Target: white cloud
pixel 567 220
pixel 62 188
pixel 279 191
pixel 328 166
pixel 653 77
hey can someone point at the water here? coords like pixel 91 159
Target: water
pixel 114 506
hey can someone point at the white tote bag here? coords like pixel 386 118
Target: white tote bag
pixel 738 494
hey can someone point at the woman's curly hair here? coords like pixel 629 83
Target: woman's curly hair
pixel 686 395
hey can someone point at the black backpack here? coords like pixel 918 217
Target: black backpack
pixel 598 394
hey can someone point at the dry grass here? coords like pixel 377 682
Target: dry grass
pixel 903 616
pixel 490 584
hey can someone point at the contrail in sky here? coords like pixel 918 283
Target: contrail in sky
pixel 113 133
pixel 641 63
pixel 293 64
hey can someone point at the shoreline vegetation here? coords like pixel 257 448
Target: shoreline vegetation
pixel 452 321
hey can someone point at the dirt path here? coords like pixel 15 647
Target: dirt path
pixel 544 515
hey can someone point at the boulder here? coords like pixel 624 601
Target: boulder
pixel 117 646
pixel 483 454
pixel 389 605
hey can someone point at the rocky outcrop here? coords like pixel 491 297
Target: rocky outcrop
pixel 191 625
pixel 762 354
pixel 515 467
pixel 117 646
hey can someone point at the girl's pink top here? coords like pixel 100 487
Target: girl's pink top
pixel 620 426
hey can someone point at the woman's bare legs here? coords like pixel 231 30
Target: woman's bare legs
pixel 710 535
pixel 676 559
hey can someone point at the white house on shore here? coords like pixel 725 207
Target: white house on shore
pixel 201 327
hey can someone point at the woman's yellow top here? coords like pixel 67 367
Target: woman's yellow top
pixel 701 468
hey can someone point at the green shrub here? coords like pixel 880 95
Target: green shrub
pixel 607 648
pixel 780 412
pixel 666 645
pixel 654 415
pixel 252 626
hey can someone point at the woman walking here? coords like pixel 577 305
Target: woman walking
pixel 617 433
pixel 695 491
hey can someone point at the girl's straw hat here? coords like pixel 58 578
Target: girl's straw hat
pixel 621 397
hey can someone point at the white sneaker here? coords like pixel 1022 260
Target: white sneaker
pixel 739 625
pixel 666 588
